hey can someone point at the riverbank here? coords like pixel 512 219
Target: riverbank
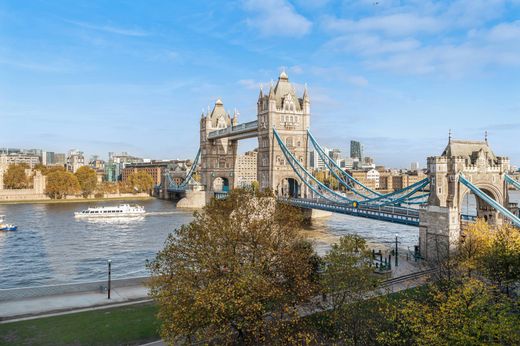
pixel 79 200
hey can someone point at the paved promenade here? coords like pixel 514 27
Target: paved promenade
pixel 69 302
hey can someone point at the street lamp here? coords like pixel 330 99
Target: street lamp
pixel 396 250
pixel 109 273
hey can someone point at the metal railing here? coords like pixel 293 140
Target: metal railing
pixel 51 290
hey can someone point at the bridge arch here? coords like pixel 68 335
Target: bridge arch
pixel 220 184
pixel 288 187
pixel 483 209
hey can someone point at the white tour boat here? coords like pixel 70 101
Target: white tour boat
pixel 124 210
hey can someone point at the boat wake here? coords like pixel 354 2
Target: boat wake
pixel 157 213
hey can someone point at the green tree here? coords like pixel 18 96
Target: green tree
pixel 87 179
pixel 255 185
pixel 469 314
pixel 347 279
pixel 60 184
pixel 236 273
pixel 15 177
pixel 491 251
pixel 139 182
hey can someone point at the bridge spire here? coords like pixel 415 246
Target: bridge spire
pixel 486 136
pixel 305 95
pixel 449 136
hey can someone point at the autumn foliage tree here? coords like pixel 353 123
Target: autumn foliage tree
pixel 493 252
pixel 235 274
pixel 472 313
pixel 87 179
pixel 60 184
pixel 15 177
pixel 139 182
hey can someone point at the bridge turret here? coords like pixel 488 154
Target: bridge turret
pixel 440 221
pixel 218 156
pixel 290 116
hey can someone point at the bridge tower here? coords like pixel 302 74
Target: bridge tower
pixel 218 156
pixel 440 221
pixel 282 110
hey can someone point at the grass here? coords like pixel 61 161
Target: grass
pixel 128 325
pixel 78 200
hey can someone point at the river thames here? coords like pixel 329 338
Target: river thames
pixel 52 247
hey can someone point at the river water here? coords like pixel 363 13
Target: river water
pixel 52 247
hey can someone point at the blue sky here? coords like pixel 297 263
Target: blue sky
pixel 134 75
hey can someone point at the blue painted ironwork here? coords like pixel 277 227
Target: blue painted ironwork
pixel 512 182
pixel 405 216
pixel 403 196
pixel 307 178
pixel 172 186
pixel 468 217
pixel 221 195
pixel 328 161
pixel 407 192
pixel 500 208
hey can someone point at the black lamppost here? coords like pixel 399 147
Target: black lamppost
pixel 396 250
pixel 109 274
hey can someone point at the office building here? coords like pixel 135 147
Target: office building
pixel 246 169
pixel 356 150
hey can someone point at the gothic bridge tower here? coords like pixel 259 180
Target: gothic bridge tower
pixel 282 110
pixel 218 156
pixel 440 221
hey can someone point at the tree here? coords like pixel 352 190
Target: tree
pixel 469 314
pixel 255 185
pixel 107 187
pixel 347 279
pixel 140 182
pixel 60 184
pixel 87 179
pixel 15 177
pixel 492 252
pixel 235 273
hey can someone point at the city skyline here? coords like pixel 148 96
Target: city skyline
pixel 394 77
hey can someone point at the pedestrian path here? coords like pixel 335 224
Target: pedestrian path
pixel 37 306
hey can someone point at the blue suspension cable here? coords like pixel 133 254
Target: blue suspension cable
pixel 500 208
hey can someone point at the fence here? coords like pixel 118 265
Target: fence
pixel 50 290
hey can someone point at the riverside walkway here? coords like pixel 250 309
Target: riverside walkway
pixel 26 303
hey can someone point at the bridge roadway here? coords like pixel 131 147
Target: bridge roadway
pixel 401 215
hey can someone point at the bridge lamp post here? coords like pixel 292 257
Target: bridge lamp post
pixel 396 250
pixel 109 276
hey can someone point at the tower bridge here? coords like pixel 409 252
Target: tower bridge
pixel 282 128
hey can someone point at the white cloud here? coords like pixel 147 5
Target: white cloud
pixel 426 37
pixel 276 18
pixel 505 32
pixel 110 29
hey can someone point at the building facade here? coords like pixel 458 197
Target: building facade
pixel 75 160
pixel 246 169
pixel 356 150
